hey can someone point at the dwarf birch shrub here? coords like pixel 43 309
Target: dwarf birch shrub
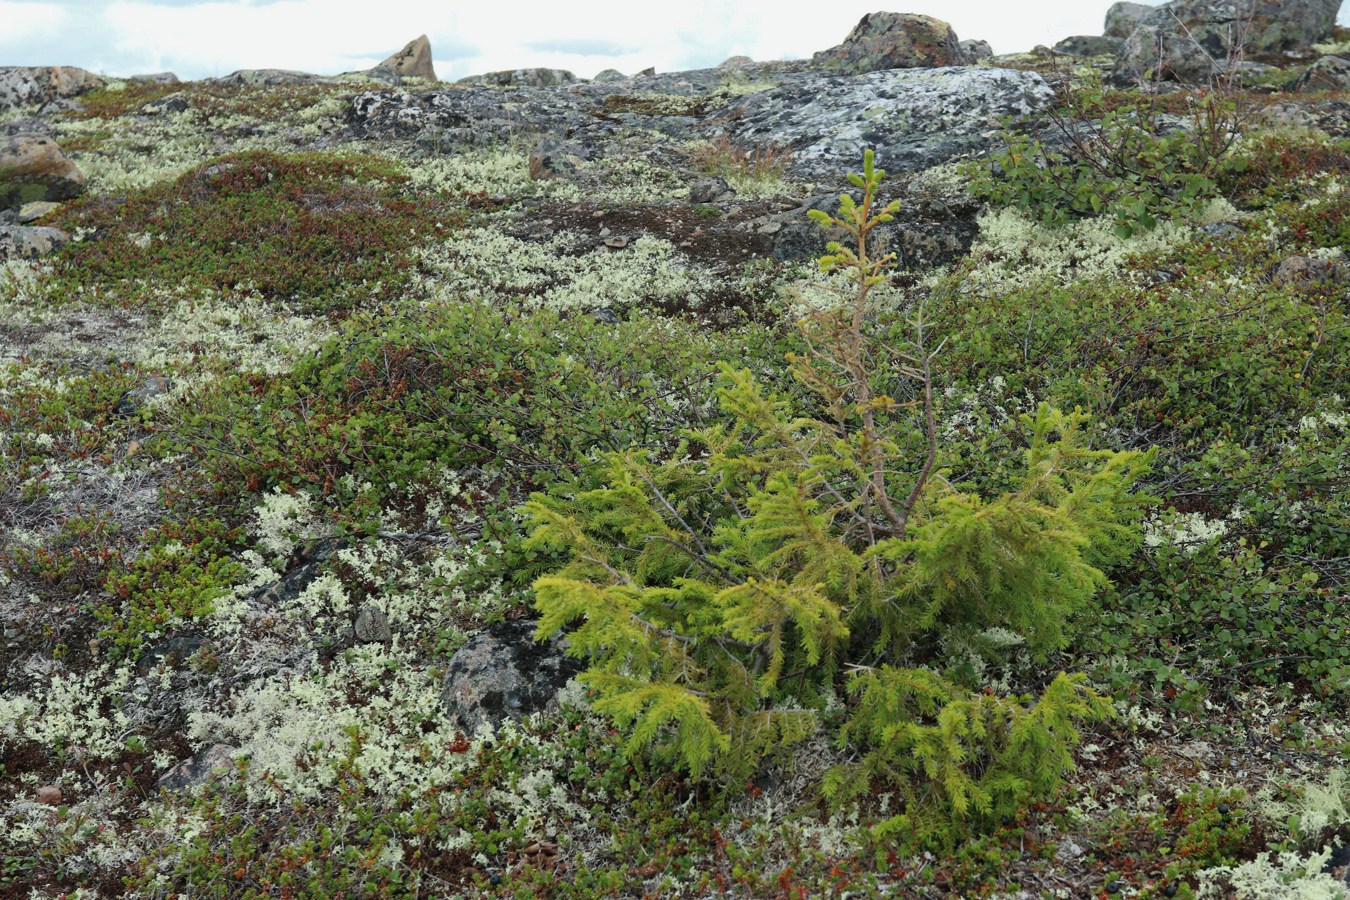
pixel 726 591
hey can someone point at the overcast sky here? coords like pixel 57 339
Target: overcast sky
pixel 196 39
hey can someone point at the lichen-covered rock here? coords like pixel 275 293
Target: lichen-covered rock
pixel 608 76
pixel 555 158
pixel 372 626
pixel 1090 45
pixel 976 51
pixel 1123 18
pixel 33 168
pixel 413 61
pixel 214 762
pixel 522 78
pixel 710 190
pixel 31 212
pixel 503 673
pixel 171 103
pixel 29 241
pixel 1187 40
pixel 267 78
pixel 155 78
pixel 885 40
pixel 1330 73
pixel 914 118
pixel 735 62
pixel 38 85
pixel 1305 270
pixel 134 400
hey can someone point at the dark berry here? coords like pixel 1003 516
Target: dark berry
pixel 1223 809
pixel 1113 887
pixel 1170 890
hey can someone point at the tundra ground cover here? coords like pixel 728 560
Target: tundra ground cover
pixel 390 407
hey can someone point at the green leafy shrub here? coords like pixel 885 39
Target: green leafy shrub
pixel 721 592
pixel 1111 158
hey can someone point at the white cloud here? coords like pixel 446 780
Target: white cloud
pixel 198 39
pixel 32 22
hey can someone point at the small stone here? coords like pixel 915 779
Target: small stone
pixel 49 794
pixel 771 228
pixel 172 103
pixel 372 626
pixel 211 763
pixel 1307 270
pixel 503 673
pixel 134 400
pixel 616 243
pixel 606 315
pixel 706 190
pixel 554 158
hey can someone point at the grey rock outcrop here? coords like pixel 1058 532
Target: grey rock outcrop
pixel 1330 73
pixel 1090 45
pixel 39 85
pixel 33 168
pixel 735 62
pixel 914 118
pixel 1189 40
pixel 976 51
pixel 608 76
pixel 1123 18
pixel 29 242
pixel 413 61
pixel 503 673
pixel 156 78
pixel 267 78
pixel 885 40
pixel 530 78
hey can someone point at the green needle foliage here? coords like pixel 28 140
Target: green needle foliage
pixel 724 592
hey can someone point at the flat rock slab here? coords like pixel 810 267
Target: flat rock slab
pixel 913 118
